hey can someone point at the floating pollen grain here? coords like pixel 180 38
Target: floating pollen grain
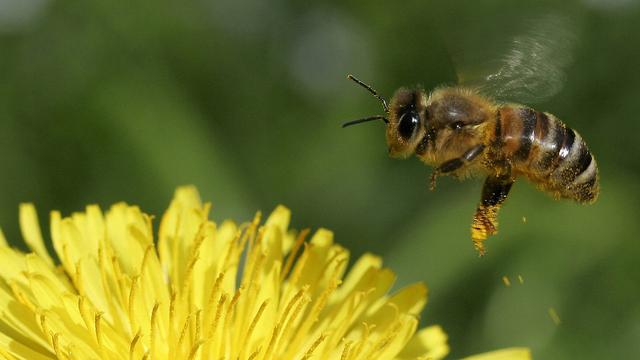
pixel 524 219
pixel 506 280
pixel 554 316
pixel 520 279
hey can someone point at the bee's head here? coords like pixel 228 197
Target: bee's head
pixel 405 119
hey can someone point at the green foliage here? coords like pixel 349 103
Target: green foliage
pixel 101 102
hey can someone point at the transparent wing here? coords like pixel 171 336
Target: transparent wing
pixel 532 66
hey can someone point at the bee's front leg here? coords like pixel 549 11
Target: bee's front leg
pixel 485 221
pixel 455 164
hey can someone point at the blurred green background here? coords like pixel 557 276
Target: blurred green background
pixel 109 101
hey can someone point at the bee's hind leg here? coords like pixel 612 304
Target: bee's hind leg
pixel 455 164
pixel 485 221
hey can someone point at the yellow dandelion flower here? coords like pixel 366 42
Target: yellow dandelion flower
pixel 207 291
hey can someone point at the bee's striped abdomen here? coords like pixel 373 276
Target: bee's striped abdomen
pixel 575 172
pixel 549 153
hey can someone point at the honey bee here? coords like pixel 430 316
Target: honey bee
pixel 478 127
pixel 461 132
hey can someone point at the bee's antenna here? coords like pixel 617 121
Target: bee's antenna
pixel 370 89
pixel 370 118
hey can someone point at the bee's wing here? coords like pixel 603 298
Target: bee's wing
pixel 532 67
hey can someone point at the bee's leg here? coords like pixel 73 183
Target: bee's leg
pixel 432 182
pixel 455 164
pixel 485 221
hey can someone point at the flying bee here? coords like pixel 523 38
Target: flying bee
pixel 460 132
pixel 478 126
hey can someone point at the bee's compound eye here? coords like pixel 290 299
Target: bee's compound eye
pixel 408 124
